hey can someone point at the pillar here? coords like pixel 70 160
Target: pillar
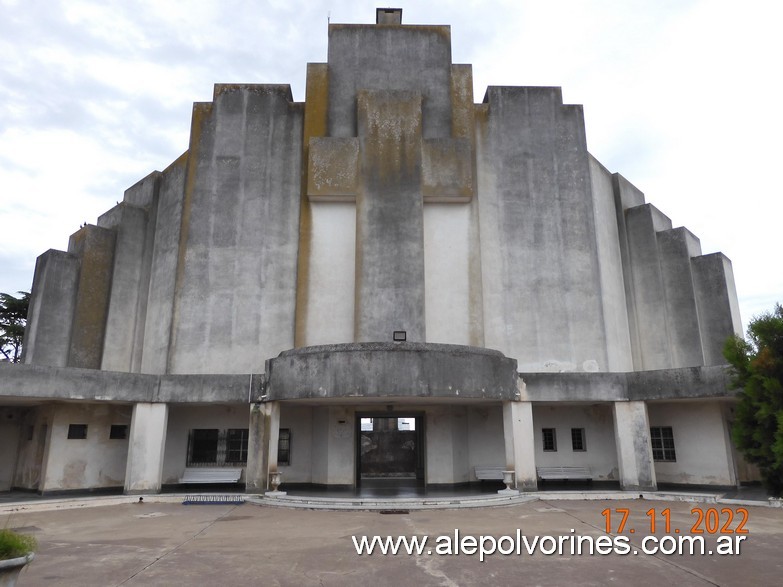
pixel 634 452
pixel 262 445
pixel 146 447
pixel 520 446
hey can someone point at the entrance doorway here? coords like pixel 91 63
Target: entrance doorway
pixel 390 450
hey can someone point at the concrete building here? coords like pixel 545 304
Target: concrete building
pixel 385 280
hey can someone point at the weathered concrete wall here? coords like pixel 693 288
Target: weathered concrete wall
pixel 11 434
pixel 600 455
pixel 94 246
pixel 391 369
pixel 47 338
pixel 389 279
pixel 414 58
pixel 94 462
pixel 367 370
pixel 700 443
pixel 40 382
pixel 236 280
pixel 685 383
pixel 182 419
pixel 539 258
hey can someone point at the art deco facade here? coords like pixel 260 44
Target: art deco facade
pixel 240 308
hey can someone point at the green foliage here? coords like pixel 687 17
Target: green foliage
pixel 13 319
pixel 758 372
pixel 13 545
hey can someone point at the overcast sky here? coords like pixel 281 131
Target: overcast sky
pixel 680 96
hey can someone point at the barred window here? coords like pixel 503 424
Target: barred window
pixel 236 445
pixel 204 446
pixel 578 439
pixel 662 440
pixel 284 447
pixel 550 439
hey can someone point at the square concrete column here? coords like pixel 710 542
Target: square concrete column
pixel 634 452
pixel 262 446
pixel 146 447
pixel 520 444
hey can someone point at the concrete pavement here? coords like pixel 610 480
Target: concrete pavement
pixel 165 543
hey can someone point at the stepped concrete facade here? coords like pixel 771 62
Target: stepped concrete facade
pixel 386 255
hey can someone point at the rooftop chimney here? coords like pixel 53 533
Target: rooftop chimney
pixel 388 16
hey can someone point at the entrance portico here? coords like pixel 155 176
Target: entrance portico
pixel 454 394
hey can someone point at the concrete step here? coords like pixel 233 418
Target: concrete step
pixel 391 504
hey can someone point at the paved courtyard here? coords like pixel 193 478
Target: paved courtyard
pixel 174 544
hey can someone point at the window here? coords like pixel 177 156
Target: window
pixel 284 447
pixel 77 431
pixel 578 439
pixel 118 432
pixel 214 447
pixel 550 439
pixel 662 440
pixel 204 446
pixel 236 445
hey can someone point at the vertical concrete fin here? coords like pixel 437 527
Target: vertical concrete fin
pixel 626 195
pixel 642 223
pixel 314 125
pixel 717 305
pixel 202 136
pixel 610 266
pixel 239 236
pixel 676 247
pixel 541 305
pixel 47 337
pixel 165 219
pixel 95 248
pixel 122 321
pixel 389 280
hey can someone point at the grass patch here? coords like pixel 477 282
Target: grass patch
pixel 13 545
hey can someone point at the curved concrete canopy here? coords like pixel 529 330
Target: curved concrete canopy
pixel 381 370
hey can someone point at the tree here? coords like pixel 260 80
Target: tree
pixel 758 373
pixel 13 319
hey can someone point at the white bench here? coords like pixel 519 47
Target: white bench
pixel 488 473
pixel 211 475
pixel 563 473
